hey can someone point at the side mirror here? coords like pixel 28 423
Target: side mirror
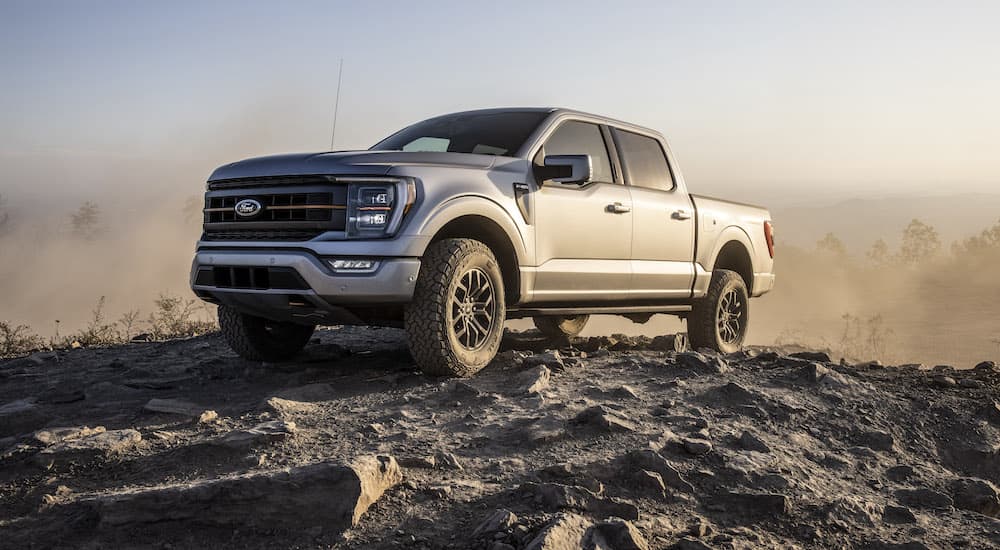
pixel 575 169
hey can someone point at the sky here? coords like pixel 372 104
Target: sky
pixel 808 98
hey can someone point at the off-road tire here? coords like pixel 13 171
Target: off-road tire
pixel 259 339
pixel 705 318
pixel 560 326
pixel 429 317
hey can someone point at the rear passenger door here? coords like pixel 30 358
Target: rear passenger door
pixel 583 232
pixel 663 222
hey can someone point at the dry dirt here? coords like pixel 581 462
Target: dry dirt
pixel 609 443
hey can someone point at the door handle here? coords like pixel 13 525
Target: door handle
pixel 618 208
pixel 681 215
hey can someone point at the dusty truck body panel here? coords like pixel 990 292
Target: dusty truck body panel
pixel 581 214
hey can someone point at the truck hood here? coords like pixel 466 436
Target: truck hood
pixel 345 162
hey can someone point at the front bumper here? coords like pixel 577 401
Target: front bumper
pixel 321 295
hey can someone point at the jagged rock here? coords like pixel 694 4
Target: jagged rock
pixel 898 515
pixel 770 482
pixel 731 394
pixel 699 362
pixel 901 472
pixel 688 543
pixel 751 442
pixel 877 441
pixel 535 380
pixel 854 510
pixel 174 406
pixel 974 460
pixel 923 498
pixel 650 482
pixel 499 520
pixel 261 434
pixel 290 407
pixel 647 459
pixel 817 356
pixel 51 436
pixel 551 359
pixel 604 418
pixel 699 527
pixel 447 461
pixel 755 504
pixel 568 497
pixel 817 374
pixel 565 532
pixel 329 494
pixel 625 392
pixel 990 413
pixel 614 534
pixel 102 444
pixel 943 381
pixel 696 447
pixel 985 366
pixel 976 495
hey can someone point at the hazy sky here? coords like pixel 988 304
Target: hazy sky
pixel 801 94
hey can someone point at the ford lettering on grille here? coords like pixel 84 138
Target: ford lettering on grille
pixel 248 208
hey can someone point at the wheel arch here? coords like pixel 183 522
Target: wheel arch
pixel 483 220
pixel 735 253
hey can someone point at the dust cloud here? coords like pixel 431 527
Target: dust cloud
pixel 941 310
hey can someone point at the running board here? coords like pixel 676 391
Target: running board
pixel 521 312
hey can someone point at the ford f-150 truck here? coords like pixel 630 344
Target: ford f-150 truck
pixel 455 224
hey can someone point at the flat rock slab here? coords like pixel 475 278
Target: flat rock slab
pixel 51 436
pixel 327 494
pixel 261 434
pixel 102 444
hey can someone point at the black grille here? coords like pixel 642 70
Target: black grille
pixel 249 277
pixel 292 208
pixel 300 207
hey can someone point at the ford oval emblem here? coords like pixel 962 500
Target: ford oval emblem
pixel 247 208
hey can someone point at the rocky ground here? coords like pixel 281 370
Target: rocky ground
pixel 610 443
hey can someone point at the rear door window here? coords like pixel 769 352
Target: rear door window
pixel 644 160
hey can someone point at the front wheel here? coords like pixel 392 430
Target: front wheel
pixel 259 339
pixel 455 321
pixel 719 321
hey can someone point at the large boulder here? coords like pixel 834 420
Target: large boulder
pixel 327 494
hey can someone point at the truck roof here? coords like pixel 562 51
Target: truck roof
pixel 556 110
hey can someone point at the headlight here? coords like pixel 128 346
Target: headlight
pixel 376 206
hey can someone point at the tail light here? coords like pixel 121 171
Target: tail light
pixel 769 237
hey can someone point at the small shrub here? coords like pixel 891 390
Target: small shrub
pixel 18 340
pixel 176 317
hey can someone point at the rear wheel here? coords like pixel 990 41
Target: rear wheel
pixel 455 321
pixel 259 339
pixel 719 321
pixel 559 326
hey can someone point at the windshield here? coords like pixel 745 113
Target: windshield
pixel 500 133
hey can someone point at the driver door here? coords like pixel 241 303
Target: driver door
pixel 583 236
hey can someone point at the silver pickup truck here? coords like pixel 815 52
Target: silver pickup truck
pixel 455 224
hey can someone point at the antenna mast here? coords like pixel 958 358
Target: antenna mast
pixel 336 103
